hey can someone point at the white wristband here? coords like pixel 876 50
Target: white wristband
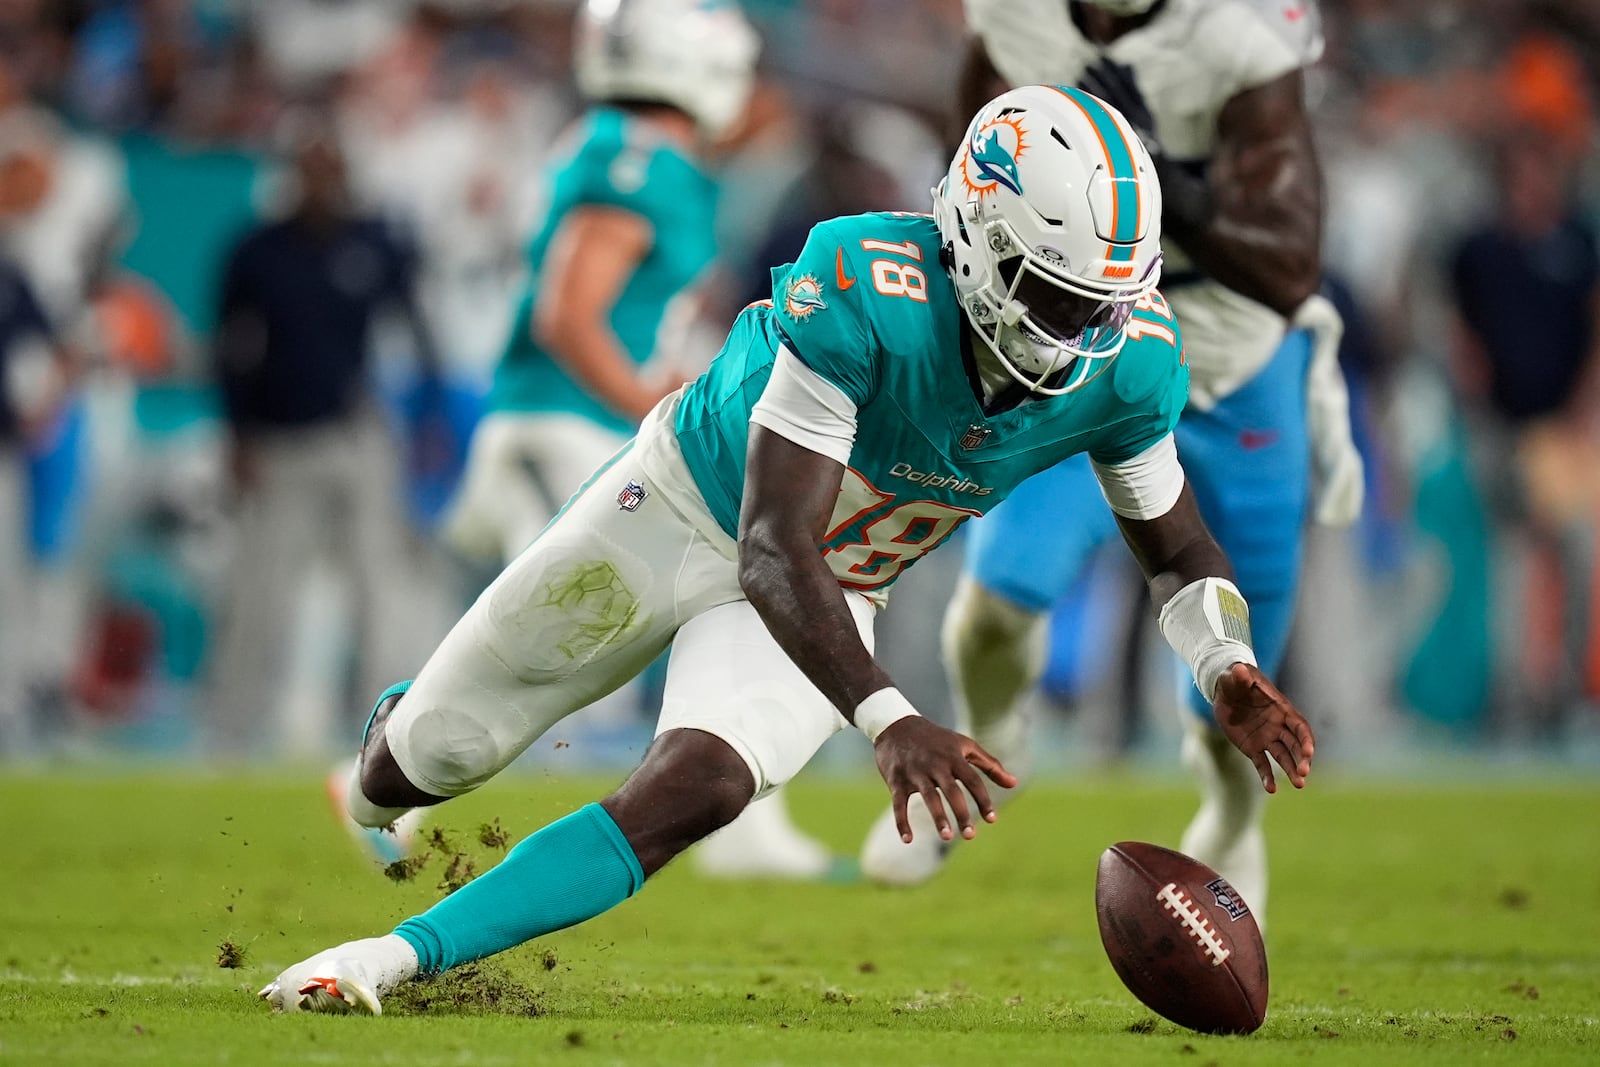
pixel 882 710
pixel 1208 624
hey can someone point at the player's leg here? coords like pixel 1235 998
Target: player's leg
pixel 738 719
pixel 521 468
pixel 1257 517
pixel 515 484
pixel 763 841
pixel 580 612
pixel 1021 558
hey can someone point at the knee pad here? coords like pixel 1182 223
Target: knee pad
pixel 443 750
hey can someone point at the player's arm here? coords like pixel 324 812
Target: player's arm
pixel 791 485
pixel 1253 221
pixel 1203 615
pixel 1262 236
pixel 591 256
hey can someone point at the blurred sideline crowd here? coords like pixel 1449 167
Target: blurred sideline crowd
pixel 148 146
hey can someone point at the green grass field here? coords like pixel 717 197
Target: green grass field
pixel 1408 925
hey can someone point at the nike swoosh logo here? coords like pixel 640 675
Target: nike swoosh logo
pixel 845 281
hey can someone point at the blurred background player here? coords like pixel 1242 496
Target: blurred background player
pixel 32 380
pixel 1215 90
pixel 313 460
pixel 615 268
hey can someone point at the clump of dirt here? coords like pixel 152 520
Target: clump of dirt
pixel 460 871
pixel 406 869
pixel 230 955
pixel 493 835
pixel 472 989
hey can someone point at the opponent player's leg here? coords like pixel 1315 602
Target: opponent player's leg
pixel 1021 558
pixel 1247 460
pixel 739 718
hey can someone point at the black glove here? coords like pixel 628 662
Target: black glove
pixel 1187 204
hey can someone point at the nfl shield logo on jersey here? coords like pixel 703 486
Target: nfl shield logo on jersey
pixel 631 497
pixel 975 436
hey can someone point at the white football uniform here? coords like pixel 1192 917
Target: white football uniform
pixel 634 561
pixel 1189 60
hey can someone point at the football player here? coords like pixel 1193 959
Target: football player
pixel 907 374
pixel 1214 89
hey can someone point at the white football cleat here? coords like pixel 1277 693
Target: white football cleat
pixel 386 845
pixel 887 860
pixel 324 984
pixel 763 842
pixel 344 980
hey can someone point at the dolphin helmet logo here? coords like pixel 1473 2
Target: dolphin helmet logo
pixel 989 161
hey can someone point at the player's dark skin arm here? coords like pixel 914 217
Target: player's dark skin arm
pixel 789 495
pixel 1263 238
pixel 1176 549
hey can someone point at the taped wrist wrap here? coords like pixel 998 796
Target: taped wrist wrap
pixel 1208 624
pixel 882 710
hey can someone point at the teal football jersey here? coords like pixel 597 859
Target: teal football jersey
pixel 869 307
pixel 614 162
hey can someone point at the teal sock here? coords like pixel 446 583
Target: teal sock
pixel 570 871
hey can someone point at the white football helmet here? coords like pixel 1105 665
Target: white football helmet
pixel 696 55
pixel 1051 222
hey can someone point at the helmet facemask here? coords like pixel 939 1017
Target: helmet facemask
pixel 1050 216
pixel 1039 321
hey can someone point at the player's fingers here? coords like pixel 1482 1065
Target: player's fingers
pixel 986 763
pixel 956 797
pixel 941 820
pixel 980 792
pixel 1302 762
pixel 902 821
pixel 1287 761
pixel 1302 731
pixel 1264 769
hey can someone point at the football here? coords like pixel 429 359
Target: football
pixel 1181 939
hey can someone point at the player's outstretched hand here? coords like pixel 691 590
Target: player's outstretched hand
pixel 919 756
pixel 1262 723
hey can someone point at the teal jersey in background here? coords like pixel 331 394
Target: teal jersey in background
pixel 869 307
pixel 615 161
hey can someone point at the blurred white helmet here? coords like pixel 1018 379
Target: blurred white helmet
pixel 696 55
pixel 1051 221
pixel 1123 7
